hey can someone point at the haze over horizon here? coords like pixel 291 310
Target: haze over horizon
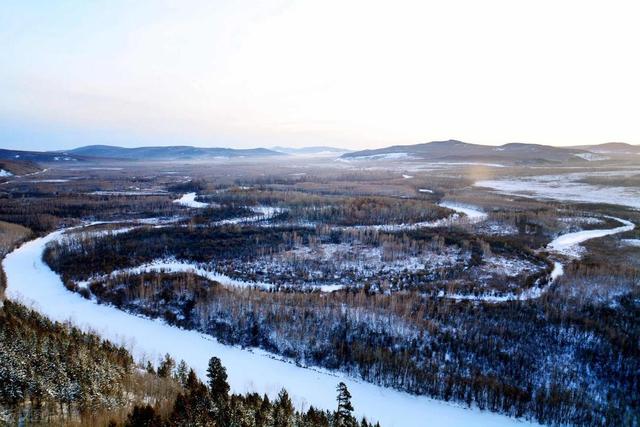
pixel 353 75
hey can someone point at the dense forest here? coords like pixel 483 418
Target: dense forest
pixel 522 358
pixel 54 374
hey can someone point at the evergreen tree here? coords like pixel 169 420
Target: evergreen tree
pixel 343 414
pixel 219 391
pixel 166 367
pixel 263 414
pixel 218 386
pixel 283 410
pixel 192 380
pixel 143 416
pixel 182 373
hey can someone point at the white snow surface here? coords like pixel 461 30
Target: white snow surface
pixel 568 244
pixel 4 173
pixel 591 157
pixel 567 187
pixel 31 281
pixel 175 266
pixel 474 214
pixel 189 200
pixel 631 242
pixel 425 190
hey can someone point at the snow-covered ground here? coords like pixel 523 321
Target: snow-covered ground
pixel 473 214
pixel 32 282
pixel 569 244
pixel 591 157
pixel 189 200
pixel 128 193
pixel 631 242
pixel 4 173
pixel 175 266
pixel 568 187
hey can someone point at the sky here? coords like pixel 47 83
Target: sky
pixel 351 74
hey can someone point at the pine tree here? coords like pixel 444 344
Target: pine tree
pixel 283 410
pixel 192 380
pixel 166 367
pixel 263 414
pixel 218 386
pixel 343 414
pixel 182 373
pixel 219 391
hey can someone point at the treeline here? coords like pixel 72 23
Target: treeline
pixel 211 404
pixel 49 211
pixel 331 209
pixel 550 359
pixel 84 256
pixel 54 374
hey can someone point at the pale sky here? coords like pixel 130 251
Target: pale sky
pixel 352 74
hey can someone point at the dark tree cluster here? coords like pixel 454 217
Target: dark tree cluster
pixel 50 371
pixel 211 404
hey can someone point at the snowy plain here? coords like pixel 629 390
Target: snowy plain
pixel 568 187
pixel 32 282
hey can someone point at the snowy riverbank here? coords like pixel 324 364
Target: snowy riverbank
pixel 569 244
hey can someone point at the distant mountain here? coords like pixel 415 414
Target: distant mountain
pixel 97 152
pixel 458 151
pixel 311 150
pixel 166 153
pixel 611 148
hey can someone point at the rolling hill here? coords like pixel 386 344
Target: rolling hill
pixel 458 151
pixel 167 153
pixel 97 152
